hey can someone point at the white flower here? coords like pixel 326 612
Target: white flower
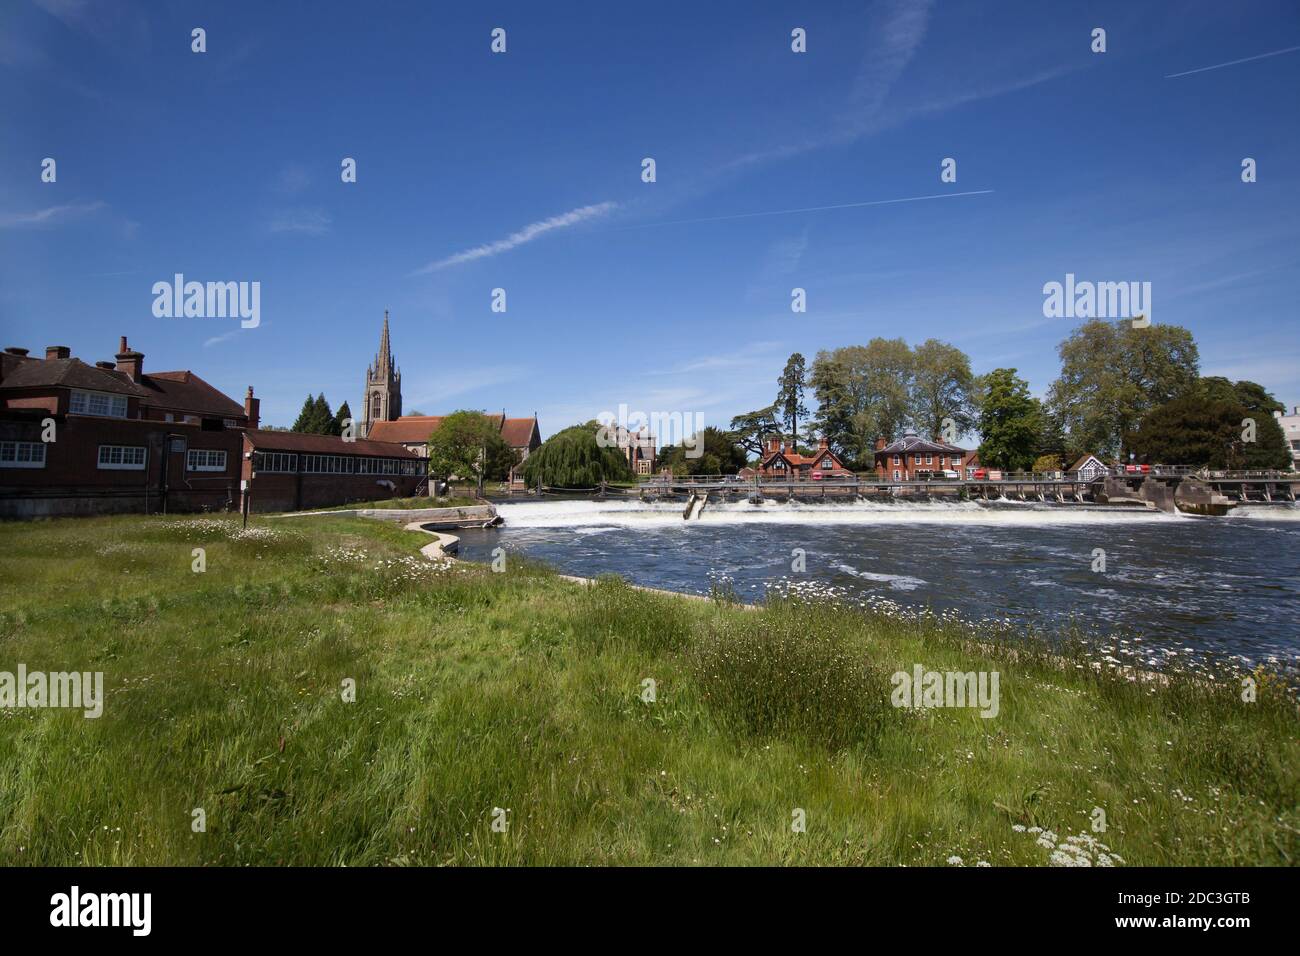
pixel 954 861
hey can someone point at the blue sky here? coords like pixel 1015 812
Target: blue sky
pixel 224 166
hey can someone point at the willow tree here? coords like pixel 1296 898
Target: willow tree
pixel 574 458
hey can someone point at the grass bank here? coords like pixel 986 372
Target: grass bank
pixel 520 691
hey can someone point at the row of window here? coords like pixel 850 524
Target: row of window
pixel 31 454
pixel 929 460
pixel 286 462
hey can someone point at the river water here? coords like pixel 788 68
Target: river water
pixel 1175 584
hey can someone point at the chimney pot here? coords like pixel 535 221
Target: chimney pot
pixel 123 345
pixel 15 350
pixel 57 352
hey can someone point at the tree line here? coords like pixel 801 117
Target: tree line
pixel 1121 391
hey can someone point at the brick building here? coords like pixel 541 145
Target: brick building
pixel 77 438
pixel 780 460
pixel 912 457
pixel 288 471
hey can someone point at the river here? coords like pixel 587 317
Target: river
pixel 1171 584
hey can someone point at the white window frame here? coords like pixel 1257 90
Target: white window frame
pixel 897 475
pixel 209 458
pixel 124 461
pixel 275 462
pixel 101 404
pixel 12 454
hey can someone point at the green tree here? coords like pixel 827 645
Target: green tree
pixel 713 452
pixel 751 429
pixel 1113 374
pixel 468 444
pixel 789 397
pixel 574 458
pixel 304 422
pixel 340 418
pixel 1210 428
pixel 1009 422
pixel 863 391
pixel 941 387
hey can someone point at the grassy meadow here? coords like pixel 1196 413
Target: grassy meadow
pixel 521 691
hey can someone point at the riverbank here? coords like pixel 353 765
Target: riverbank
pixel 522 691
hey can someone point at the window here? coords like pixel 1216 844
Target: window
pixel 22 454
pixel 375 407
pixel 169 417
pixel 205 459
pixel 122 457
pixel 274 461
pixel 230 423
pixel 929 459
pixel 897 475
pixel 898 460
pixel 98 403
pixel 327 464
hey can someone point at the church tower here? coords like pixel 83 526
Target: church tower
pixel 383 395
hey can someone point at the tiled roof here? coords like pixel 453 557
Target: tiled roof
pixel 408 428
pixel 185 390
pixel 324 445
pixel 72 373
pixel 911 442
pixel 411 429
pixel 518 432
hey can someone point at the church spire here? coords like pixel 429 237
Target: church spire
pixel 384 360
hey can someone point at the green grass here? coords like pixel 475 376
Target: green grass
pixel 522 691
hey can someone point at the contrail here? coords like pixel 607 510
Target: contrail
pixel 1219 66
pixel 787 212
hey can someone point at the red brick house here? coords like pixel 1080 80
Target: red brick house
pixel 912 456
pixel 288 471
pixel 90 439
pixel 780 460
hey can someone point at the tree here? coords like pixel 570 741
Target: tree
pixel 941 388
pixel 1211 429
pixel 863 391
pixel 1045 463
pixel 469 445
pixel 715 453
pixel 1269 449
pixel 750 430
pixel 574 459
pixel 1113 374
pixel 1190 431
pixel 321 416
pixel 1009 421
pixel 789 397
pixel 303 423
pixel 341 419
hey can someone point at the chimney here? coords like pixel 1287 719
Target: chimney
pixel 880 443
pixel 57 352
pixel 823 444
pixel 15 350
pixel 106 365
pixel 252 408
pixel 130 361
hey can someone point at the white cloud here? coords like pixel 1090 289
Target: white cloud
pixel 49 215
pixel 527 234
pixel 311 222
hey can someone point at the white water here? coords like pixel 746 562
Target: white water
pixel 587 516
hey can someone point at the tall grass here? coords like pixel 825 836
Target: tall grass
pixel 524 692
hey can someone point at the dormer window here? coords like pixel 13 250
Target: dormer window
pixel 97 403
